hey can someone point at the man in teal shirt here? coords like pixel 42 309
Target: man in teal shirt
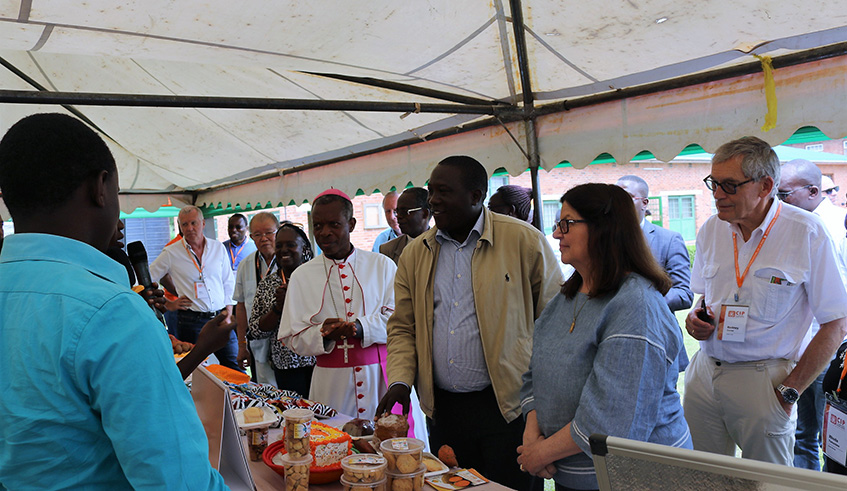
pixel 91 396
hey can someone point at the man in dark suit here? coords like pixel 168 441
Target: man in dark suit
pixel 413 218
pixel 668 249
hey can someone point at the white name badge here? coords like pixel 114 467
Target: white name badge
pixel 732 323
pixel 835 433
pixel 200 291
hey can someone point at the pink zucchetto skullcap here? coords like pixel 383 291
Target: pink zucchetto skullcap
pixel 336 192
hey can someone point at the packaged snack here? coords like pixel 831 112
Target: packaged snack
pixel 403 455
pixel 412 481
pixel 363 468
pixel 363 486
pixel 298 430
pixel 296 472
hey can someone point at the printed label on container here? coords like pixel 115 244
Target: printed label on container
pixel 368 460
pixel 258 437
pixel 301 430
pixel 400 445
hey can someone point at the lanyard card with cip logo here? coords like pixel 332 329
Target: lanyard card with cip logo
pixel 732 323
pixel 834 435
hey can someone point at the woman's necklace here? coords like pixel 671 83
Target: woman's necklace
pixel 577 311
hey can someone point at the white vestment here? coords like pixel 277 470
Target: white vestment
pixel 359 288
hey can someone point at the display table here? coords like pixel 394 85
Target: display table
pixel 266 479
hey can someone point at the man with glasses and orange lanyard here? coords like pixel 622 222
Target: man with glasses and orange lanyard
pixel 253 268
pixel 764 270
pixel 202 275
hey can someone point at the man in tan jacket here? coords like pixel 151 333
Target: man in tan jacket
pixel 467 293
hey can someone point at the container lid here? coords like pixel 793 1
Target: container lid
pixel 286 459
pixel 402 445
pixel 374 484
pixel 397 475
pixel 363 461
pixel 298 414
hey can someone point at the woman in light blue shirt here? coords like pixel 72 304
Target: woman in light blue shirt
pixel 604 357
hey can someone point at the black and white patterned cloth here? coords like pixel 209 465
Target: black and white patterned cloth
pixel 261 395
pixel 281 357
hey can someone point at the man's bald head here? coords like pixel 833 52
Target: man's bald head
pixel 800 184
pixel 639 191
pixel 803 169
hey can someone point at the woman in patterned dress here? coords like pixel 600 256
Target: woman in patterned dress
pixel 293 372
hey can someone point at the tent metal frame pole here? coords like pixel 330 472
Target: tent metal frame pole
pixel 172 101
pixel 529 110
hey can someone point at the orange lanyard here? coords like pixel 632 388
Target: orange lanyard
pixel 259 274
pixel 237 253
pixel 739 279
pixel 193 256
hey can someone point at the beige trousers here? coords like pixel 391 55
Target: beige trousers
pixel 729 404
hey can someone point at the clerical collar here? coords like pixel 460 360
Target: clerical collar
pixel 347 258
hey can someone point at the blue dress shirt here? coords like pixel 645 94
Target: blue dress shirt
pixel 382 238
pixel 91 396
pixel 235 254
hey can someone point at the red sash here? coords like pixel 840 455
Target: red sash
pixel 356 355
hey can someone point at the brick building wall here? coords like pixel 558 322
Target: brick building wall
pixel 667 181
pixel 362 237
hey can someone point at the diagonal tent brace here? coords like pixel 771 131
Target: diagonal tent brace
pixel 410 89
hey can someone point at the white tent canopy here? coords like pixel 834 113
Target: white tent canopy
pixel 460 59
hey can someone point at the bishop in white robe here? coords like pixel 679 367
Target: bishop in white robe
pixel 350 373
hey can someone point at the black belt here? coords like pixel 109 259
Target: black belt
pixel 196 315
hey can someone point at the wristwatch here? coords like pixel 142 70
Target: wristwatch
pixel 789 394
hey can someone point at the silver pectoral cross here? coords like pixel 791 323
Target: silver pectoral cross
pixel 345 347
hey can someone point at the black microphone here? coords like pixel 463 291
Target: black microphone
pixel 138 258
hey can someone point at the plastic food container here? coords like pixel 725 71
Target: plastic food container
pixel 402 455
pixel 296 472
pixel 363 468
pixel 257 442
pixel 257 433
pixel 412 481
pixel 298 431
pixel 362 486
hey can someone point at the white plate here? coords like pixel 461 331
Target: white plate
pixel 438 472
pixel 269 418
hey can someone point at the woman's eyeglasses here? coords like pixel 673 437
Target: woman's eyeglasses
pixel 564 225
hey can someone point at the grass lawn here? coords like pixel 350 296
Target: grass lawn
pixel 691 347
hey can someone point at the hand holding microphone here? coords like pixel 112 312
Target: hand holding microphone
pixel 138 258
